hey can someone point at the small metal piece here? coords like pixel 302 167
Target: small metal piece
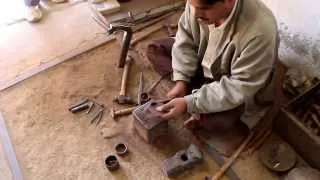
pixel 140 90
pixel 78 104
pixel 91 104
pixel 100 117
pixel 112 163
pixel 151 88
pixel 96 116
pixel 121 149
pixel 80 107
pixel 144 97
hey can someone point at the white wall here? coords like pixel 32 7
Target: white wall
pixel 299 29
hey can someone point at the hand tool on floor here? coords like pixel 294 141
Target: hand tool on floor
pixel 125 42
pixel 81 107
pixel 78 104
pixel 97 117
pixel 114 114
pixel 144 96
pixel 91 105
pixel 122 98
pixel 155 84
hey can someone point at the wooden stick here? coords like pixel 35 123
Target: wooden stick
pixel 315 119
pixel 191 119
pixel 124 78
pixel 259 143
pixel 230 161
pixel 256 138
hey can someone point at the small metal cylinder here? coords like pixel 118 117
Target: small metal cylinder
pixel 112 163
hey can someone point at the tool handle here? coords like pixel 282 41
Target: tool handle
pixel 140 91
pixel 125 76
pixel 125 111
pixel 230 161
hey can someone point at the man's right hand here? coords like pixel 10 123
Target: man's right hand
pixel 179 90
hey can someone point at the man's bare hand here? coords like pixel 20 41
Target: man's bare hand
pixel 179 90
pixel 173 108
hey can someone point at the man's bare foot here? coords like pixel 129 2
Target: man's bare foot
pixel 179 90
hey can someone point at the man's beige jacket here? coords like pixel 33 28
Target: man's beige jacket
pixel 239 55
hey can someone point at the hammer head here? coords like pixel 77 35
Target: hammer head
pixel 121 99
pixel 118 27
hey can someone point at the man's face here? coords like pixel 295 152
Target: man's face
pixel 210 14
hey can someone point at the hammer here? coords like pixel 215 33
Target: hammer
pixel 122 98
pixel 115 114
pixel 125 41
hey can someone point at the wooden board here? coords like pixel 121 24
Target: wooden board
pixel 9 151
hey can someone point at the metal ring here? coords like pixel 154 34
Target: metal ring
pixel 121 149
pixel 112 162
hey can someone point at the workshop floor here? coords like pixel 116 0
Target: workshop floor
pixel 52 143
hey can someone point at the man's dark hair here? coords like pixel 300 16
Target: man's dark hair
pixel 209 2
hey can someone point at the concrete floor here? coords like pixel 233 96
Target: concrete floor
pixel 52 143
pixel 26 47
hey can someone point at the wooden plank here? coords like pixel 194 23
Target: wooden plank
pixel 9 151
pixel 60 59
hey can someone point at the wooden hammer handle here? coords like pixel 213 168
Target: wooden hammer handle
pixel 125 111
pixel 125 76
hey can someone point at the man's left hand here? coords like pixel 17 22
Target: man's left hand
pixel 173 108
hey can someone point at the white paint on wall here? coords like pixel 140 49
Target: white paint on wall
pixel 299 30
